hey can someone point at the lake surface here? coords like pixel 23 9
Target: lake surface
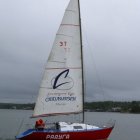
pixel 127 126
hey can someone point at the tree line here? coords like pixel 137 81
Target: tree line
pixel 29 106
pixel 110 106
pixel 107 106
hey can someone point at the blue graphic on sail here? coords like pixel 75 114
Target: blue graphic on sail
pixel 62 81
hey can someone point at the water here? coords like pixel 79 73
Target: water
pixel 127 125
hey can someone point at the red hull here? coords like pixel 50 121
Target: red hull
pixel 101 134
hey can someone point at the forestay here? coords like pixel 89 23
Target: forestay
pixel 61 88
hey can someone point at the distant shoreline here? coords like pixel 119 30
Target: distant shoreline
pixel 107 106
pixel 110 106
pixel 26 106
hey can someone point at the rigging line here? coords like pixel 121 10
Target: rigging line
pixel 95 65
pixel 21 124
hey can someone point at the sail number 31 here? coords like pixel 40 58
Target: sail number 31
pixel 63 43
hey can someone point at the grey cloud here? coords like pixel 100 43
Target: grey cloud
pixel 111 35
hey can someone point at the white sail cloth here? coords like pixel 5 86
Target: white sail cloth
pixel 61 88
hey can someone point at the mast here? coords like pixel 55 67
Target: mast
pixel 83 86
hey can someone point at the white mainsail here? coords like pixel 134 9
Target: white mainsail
pixel 61 88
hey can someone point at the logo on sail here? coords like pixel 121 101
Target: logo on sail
pixel 62 81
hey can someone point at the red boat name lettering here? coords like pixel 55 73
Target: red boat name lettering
pixel 57 137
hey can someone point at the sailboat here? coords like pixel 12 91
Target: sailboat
pixel 62 87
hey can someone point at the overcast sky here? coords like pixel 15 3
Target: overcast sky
pixel 111 38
